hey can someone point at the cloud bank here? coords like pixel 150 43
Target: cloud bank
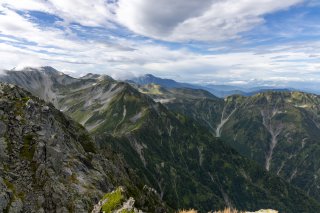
pixel 215 41
pixel 209 20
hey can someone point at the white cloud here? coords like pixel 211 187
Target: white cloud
pixel 14 57
pixel 35 5
pixel 178 20
pixel 281 64
pixel 158 17
pixel 87 13
pixel 25 43
pixel 123 58
pixel 15 25
pixel 182 20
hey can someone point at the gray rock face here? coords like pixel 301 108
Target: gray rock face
pixel 48 163
pixel 3 128
pixel 4 195
pixel 16 206
pixel 3 149
pixel 37 142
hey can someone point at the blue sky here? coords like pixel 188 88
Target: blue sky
pixel 237 42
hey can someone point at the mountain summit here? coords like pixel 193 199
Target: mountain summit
pixel 151 79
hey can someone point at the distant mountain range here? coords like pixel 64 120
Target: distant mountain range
pixel 171 147
pixel 217 90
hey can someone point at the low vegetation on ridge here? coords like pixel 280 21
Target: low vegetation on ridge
pixel 229 210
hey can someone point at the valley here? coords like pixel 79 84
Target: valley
pixel 182 147
pixel 279 130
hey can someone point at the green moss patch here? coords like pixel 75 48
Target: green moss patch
pixel 114 200
pixel 127 211
pixel 28 148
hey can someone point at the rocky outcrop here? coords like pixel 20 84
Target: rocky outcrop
pixel 45 166
pixel 48 162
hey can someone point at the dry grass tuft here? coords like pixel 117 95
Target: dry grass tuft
pixel 236 211
pixel 228 210
pixel 188 211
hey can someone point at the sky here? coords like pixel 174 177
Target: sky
pixel 234 42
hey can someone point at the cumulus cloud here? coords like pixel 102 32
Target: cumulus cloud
pixel 182 20
pixel 25 43
pixel 158 17
pixel 179 20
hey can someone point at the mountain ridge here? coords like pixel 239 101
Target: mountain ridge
pixel 217 90
pixel 49 163
pixel 167 149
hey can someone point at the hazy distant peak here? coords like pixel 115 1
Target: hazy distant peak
pixel 49 69
pixel 98 77
pixel 43 69
pixel 149 79
pixel 90 76
pixel 149 76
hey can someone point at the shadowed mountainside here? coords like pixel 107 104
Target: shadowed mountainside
pixel 170 151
